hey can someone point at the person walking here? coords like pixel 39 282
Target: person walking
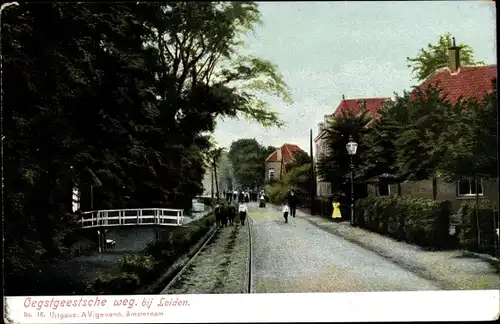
pixel 262 202
pixel 286 210
pixel 292 203
pixel 243 210
pixel 336 214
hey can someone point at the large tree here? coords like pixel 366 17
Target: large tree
pixel 247 158
pixel 471 141
pixel 128 91
pixel 435 56
pixel 334 166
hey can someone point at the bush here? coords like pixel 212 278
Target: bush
pixel 468 230
pixel 416 220
pixel 114 283
pixel 136 270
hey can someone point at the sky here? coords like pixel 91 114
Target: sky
pixel 358 49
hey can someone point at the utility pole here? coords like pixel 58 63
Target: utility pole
pixel 212 183
pixel 216 182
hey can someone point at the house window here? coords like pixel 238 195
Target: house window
pixel 271 173
pixel 467 187
pixel 384 189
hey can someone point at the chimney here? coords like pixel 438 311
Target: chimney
pixel 343 97
pixel 321 127
pixel 454 56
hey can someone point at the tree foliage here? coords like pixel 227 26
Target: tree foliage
pixel 418 136
pixel 128 91
pixel 334 166
pixel 298 179
pixel 247 157
pixel 435 56
pixel 471 139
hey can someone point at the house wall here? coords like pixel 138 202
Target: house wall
pixel 445 191
pixel 323 189
pixel 277 169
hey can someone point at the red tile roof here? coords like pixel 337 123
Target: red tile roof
pixel 288 152
pixel 373 105
pixel 467 82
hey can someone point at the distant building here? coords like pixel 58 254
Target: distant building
pixel 277 162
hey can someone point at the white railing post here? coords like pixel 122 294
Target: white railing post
pixel 107 219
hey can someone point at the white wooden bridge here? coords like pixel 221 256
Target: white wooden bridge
pixel 132 217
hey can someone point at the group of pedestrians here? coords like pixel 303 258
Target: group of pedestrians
pixel 227 210
pixel 225 213
pixel 241 196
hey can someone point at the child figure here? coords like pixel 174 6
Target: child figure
pixel 286 210
pixel 243 210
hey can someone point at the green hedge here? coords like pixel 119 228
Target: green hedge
pixel 468 230
pixel 415 220
pixel 141 269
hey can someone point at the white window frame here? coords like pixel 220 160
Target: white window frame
pixel 271 173
pixel 388 190
pixel 470 194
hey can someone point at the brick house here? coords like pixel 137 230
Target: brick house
pixel 455 82
pixel 372 105
pixel 276 163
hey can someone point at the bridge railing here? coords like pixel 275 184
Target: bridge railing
pixel 124 217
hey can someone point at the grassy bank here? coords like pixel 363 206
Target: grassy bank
pixel 142 269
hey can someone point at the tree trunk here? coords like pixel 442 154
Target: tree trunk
pixel 434 188
pixel 477 213
pixel 216 182
pixel 212 184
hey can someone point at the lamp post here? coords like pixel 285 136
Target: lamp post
pixel 351 147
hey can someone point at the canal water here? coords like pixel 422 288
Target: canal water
pixel 82 269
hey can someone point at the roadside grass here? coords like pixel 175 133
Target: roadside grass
pixel 219 283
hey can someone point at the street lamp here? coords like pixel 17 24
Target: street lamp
pixel 351 147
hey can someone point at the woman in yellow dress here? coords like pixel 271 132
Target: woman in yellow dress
pixel 336 210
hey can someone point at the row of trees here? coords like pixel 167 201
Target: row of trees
pixel 421 135
pixel 126 92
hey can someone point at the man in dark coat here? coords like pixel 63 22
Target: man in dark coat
pixel 218 213
pixel 292 203
pixel 231 213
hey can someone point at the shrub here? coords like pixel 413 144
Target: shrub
pixel 468 230
pixel 108 283
pixel 416 220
